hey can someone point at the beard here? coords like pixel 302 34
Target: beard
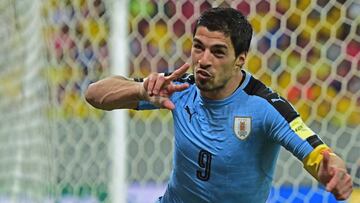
pixel 209 86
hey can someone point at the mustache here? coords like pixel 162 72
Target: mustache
pixel 202 69
pixel 203 72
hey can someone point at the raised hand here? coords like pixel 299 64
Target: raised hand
pixel 159 87
pixel 333 175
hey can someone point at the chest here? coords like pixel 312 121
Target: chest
pixel 224 130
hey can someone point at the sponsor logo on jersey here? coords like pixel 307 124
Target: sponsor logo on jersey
pixel 242 127
pixel 277 99
pixel 187 109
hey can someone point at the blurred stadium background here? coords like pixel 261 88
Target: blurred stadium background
pixel 54 147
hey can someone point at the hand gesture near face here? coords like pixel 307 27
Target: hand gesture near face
pixel 158 88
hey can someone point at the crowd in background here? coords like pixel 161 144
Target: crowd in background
pixel 77 34
pixel 309 52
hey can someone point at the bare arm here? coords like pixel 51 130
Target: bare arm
pixel 118 92
pixel 115 92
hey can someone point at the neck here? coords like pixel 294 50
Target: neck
pixel 225 91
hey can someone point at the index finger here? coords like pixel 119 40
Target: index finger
pixel 178 73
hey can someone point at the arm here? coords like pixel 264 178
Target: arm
pixel 118 92
pixel 318 159
pixel 291 132
pixel 115 92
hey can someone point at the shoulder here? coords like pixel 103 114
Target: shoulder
pixel 186 78
pixel 184 95
pixel 270 98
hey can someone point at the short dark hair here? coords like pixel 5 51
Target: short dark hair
pixel 232 23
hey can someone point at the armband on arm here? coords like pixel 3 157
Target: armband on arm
pixel 313 160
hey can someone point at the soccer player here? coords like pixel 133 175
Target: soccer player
pixel 228 125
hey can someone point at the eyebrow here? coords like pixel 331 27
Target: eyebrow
pixel 218 46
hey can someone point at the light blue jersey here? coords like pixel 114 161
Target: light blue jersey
pixel 226 150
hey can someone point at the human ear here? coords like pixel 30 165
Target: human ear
pixel 240 60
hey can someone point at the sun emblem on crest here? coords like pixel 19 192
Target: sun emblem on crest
pixel 242 127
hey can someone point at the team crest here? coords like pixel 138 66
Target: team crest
pixel 242 127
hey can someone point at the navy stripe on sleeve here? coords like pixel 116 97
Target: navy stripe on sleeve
pixel 314 141
pixel 256 87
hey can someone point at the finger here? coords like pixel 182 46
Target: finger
pixel 164 93
pixel 345 184
pixel 151 83
pixel 326 160
pixel 343 195
pixel 167 103
pixel 178 72
pixel 158 84
pixel 344 192
pixel 347 193
pixel 343 188
pixel 177 88
pixel 340 197
pixel 162 102
pixel 331 185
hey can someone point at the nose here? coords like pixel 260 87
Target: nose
pixel 205 56
pixel 205 59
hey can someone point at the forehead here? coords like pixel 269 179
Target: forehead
pixel 212 37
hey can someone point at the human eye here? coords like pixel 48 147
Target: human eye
pixel 197 46
pixel 219 53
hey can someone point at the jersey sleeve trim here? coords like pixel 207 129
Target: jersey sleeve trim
pixel 257 88
pixel 314 141
pixel 187 77
pixel 145 105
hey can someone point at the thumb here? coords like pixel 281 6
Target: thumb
pixel 162 102
pixel 167 103
pixel 326 160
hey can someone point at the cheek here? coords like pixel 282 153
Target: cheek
pixel 225 71
pixel 193 53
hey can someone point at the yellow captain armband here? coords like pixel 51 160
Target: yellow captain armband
pixel 301 129
pixel 313 160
